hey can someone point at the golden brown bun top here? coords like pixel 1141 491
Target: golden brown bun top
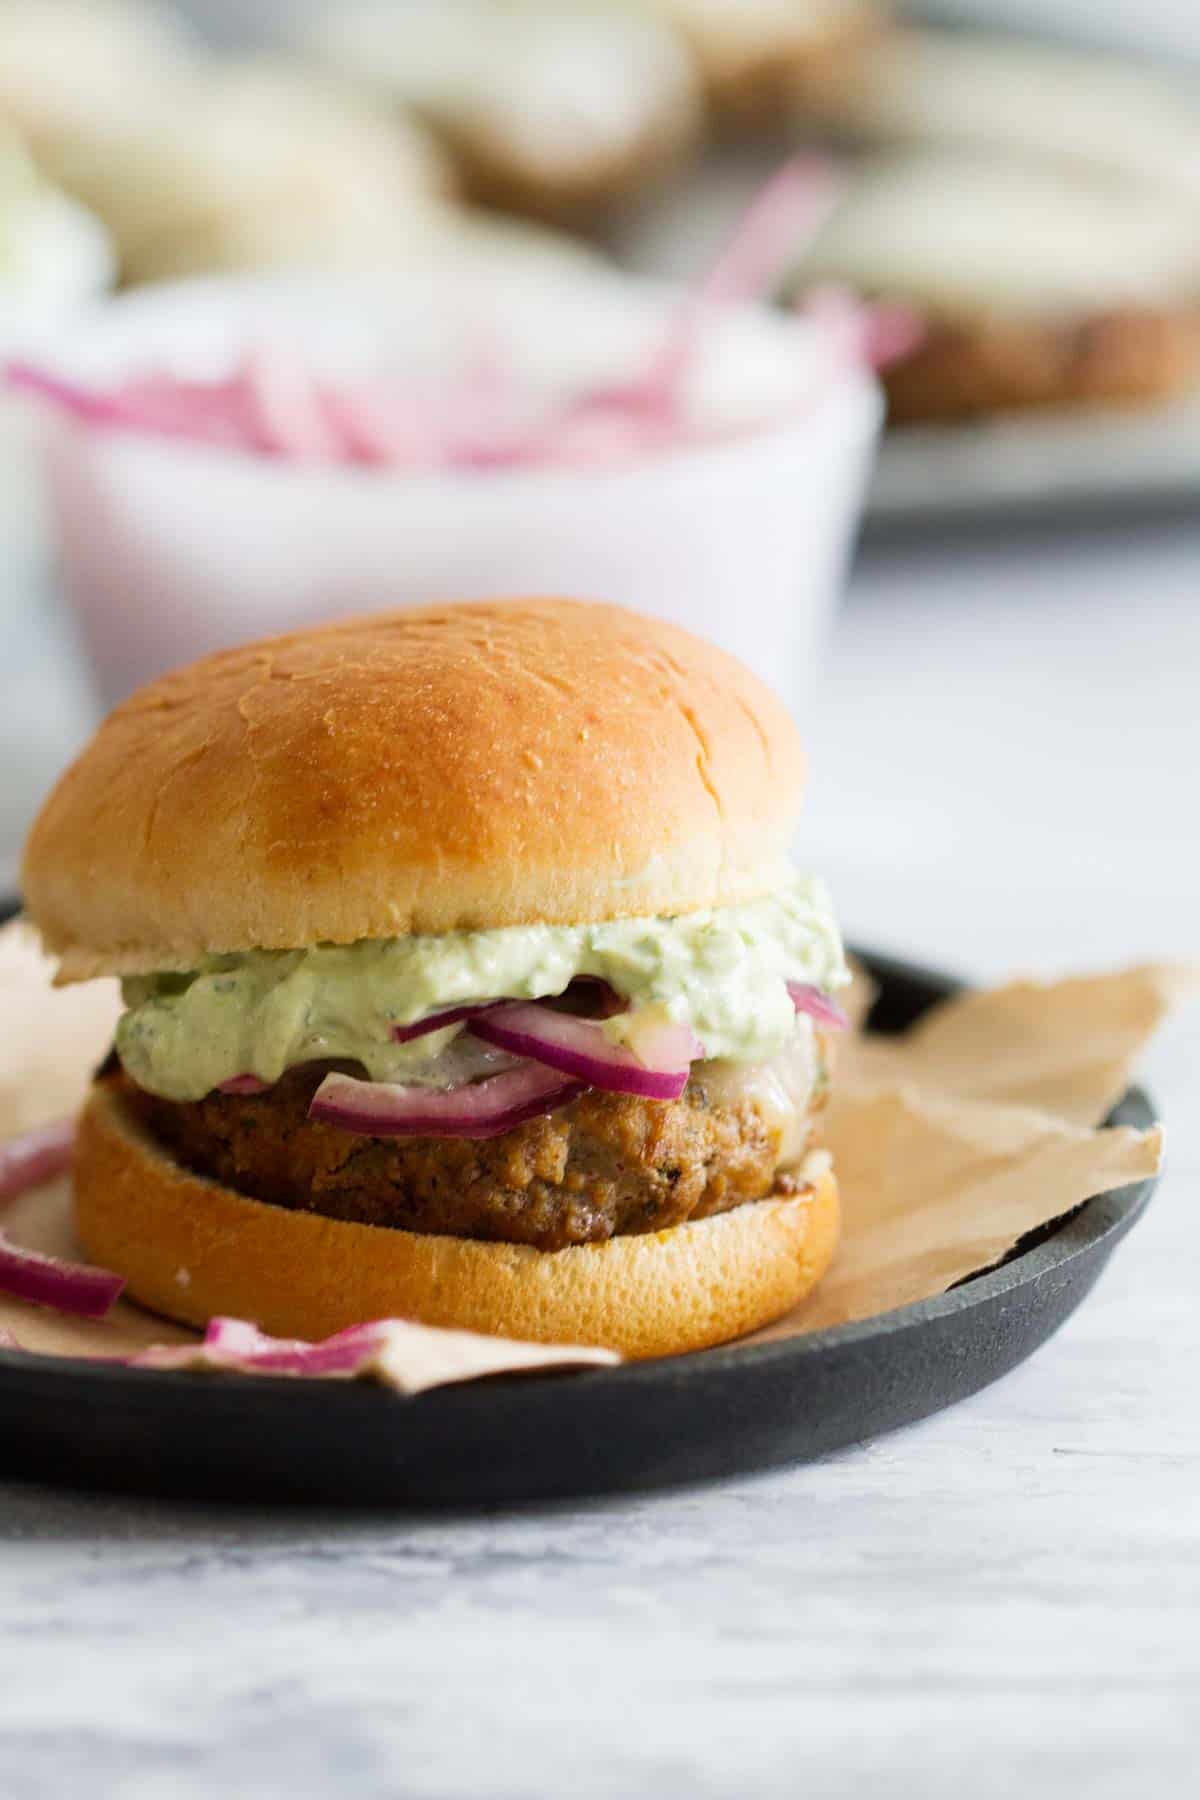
pixel 452 767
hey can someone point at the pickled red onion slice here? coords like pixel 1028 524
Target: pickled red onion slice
pixel 66 1287
pixel 384 1348
pixel 580 1048
pixel 817 1004
pixel 480 416
pixel 584 993
pixel 475 1109
pixel 404 1034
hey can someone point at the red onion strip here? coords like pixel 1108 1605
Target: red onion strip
pixel 286 406
pixel 404 1034
pixel 477 1109
pixel 80 402
pixel 817 1004
pixel 784 218
pixel 36 1156
pixel 385 1348
pixel 600 998
pixel 49 1281
pixel 786 215
pixel 343 1354
pixel 243 1084
pixel 580 1048
pixel 236 1344
pixel 479 417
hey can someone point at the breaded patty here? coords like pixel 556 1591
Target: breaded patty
pixel 603 1166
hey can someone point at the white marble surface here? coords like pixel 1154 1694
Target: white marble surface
pixel 1005 1599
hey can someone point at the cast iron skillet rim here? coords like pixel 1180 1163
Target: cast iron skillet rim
pixel 1098 1218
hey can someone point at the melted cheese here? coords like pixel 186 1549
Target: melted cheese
pixel 782 1089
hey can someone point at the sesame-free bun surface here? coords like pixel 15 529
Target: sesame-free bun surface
pixel 193 1249
pixel 452 767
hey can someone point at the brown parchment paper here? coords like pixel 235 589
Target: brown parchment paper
pixel 950 1143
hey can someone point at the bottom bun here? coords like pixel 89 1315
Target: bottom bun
pixel 193 1249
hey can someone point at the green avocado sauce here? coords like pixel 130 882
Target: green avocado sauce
pixel 260 1012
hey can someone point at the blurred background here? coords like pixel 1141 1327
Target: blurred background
pixel 310 305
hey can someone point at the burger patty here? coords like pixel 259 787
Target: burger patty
pixel 605 1165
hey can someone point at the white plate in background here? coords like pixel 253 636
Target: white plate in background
pixel 1148 28
pixel 1038 465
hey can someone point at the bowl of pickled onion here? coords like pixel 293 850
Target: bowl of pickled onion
pixel 232 457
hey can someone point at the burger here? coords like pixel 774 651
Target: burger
pixel 466 979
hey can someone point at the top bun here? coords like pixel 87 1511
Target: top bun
pixel 513 762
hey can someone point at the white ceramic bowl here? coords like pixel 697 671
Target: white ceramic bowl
pixel 169 550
